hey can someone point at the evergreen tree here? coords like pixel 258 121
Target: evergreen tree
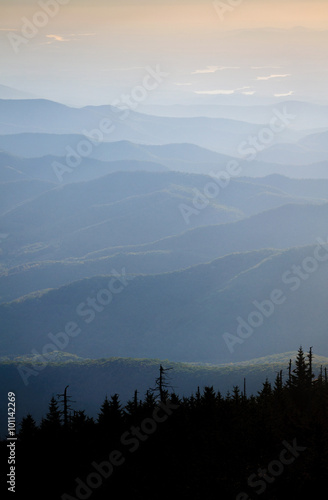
pixel 213 443
pixel 104 415
pixel 278 384
pixel 309 373
pixel 115 410
pixel 149 402
pixel 300 374
pixel 236 396
pixel 28 428
pixel 133 406
pixel 289 373
pixel 80 422
pixel 110 416
pixel 208 398
pixel 266 392
pixel 198 397
pixel 52 421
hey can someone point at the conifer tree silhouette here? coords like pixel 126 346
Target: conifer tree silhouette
pixel 133 406
pixel 28 428
pixel 110 417
pixel 52 421
pixel 210 440
pixel 310 374
pixel 278 383
pixel 300 374
pixel 149 402
pixel 236 396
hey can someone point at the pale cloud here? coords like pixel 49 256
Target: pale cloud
pixel 182 84
pixel 215 92
pixel 72 37
pixel 284 95
pixel 58 38
pixel 213 69
pixel 222 68
pixel 77 36
pixel 82 34
pixel 272 76
pixel 265 67
pixel 209 69
pixel 130 68
pixel 221 92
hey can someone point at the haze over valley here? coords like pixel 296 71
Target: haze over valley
pixel 164 206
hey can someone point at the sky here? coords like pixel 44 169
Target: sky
pixel 84 52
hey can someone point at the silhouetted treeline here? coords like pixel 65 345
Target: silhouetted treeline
pixel 272 445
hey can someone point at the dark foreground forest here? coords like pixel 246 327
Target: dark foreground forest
pixel 272 445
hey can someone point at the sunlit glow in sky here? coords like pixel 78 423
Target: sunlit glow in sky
pixel 90 52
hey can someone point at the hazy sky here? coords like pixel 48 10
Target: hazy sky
pixel 92 51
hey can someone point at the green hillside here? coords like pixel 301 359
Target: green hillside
pixel 183 315
pixel 89 380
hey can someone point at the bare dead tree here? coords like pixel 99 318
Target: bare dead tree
pixel 161 383
pixel 66 401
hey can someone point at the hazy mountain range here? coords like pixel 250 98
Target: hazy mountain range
pixel 88 378
pixel 111 124
pixel 161 239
